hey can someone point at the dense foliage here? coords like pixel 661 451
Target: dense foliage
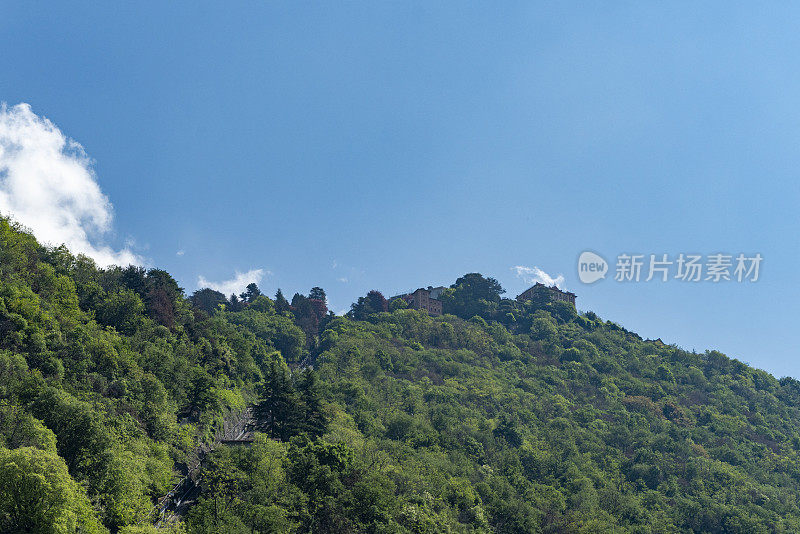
pixel 499 416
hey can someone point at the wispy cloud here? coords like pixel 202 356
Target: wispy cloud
pixel 532 275
pixel 181 252
pixel 47 184
pixel 342 279
pixel 235 285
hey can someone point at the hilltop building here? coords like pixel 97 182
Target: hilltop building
pixel 425 299
pixel 436 291
pixel 555 294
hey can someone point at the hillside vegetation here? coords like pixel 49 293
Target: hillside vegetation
pixel 498 417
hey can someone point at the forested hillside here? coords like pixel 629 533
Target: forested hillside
pixel 498 416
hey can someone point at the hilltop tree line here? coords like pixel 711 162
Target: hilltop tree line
pixel 498 417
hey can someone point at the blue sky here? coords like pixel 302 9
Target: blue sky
pixel 396 145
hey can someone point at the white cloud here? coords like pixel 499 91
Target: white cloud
pixel 47 184
pixel 180 252
pixel 532 275
pixel 235 285
pixel 342 279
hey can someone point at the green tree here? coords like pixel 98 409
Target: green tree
pixel 397 304
pixel 317 293
pixel 251 293
pixel 201 394
pixel 222 483
pixel 281 304
pixel 208 300
pixel 314 419
pixel 123 310
pixel 37 495
pixel 473 294
pixel 373 302
pixel 279 412
pixel 20 429
pixel 82 440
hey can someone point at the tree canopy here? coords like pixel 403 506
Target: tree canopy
pixel 497 417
